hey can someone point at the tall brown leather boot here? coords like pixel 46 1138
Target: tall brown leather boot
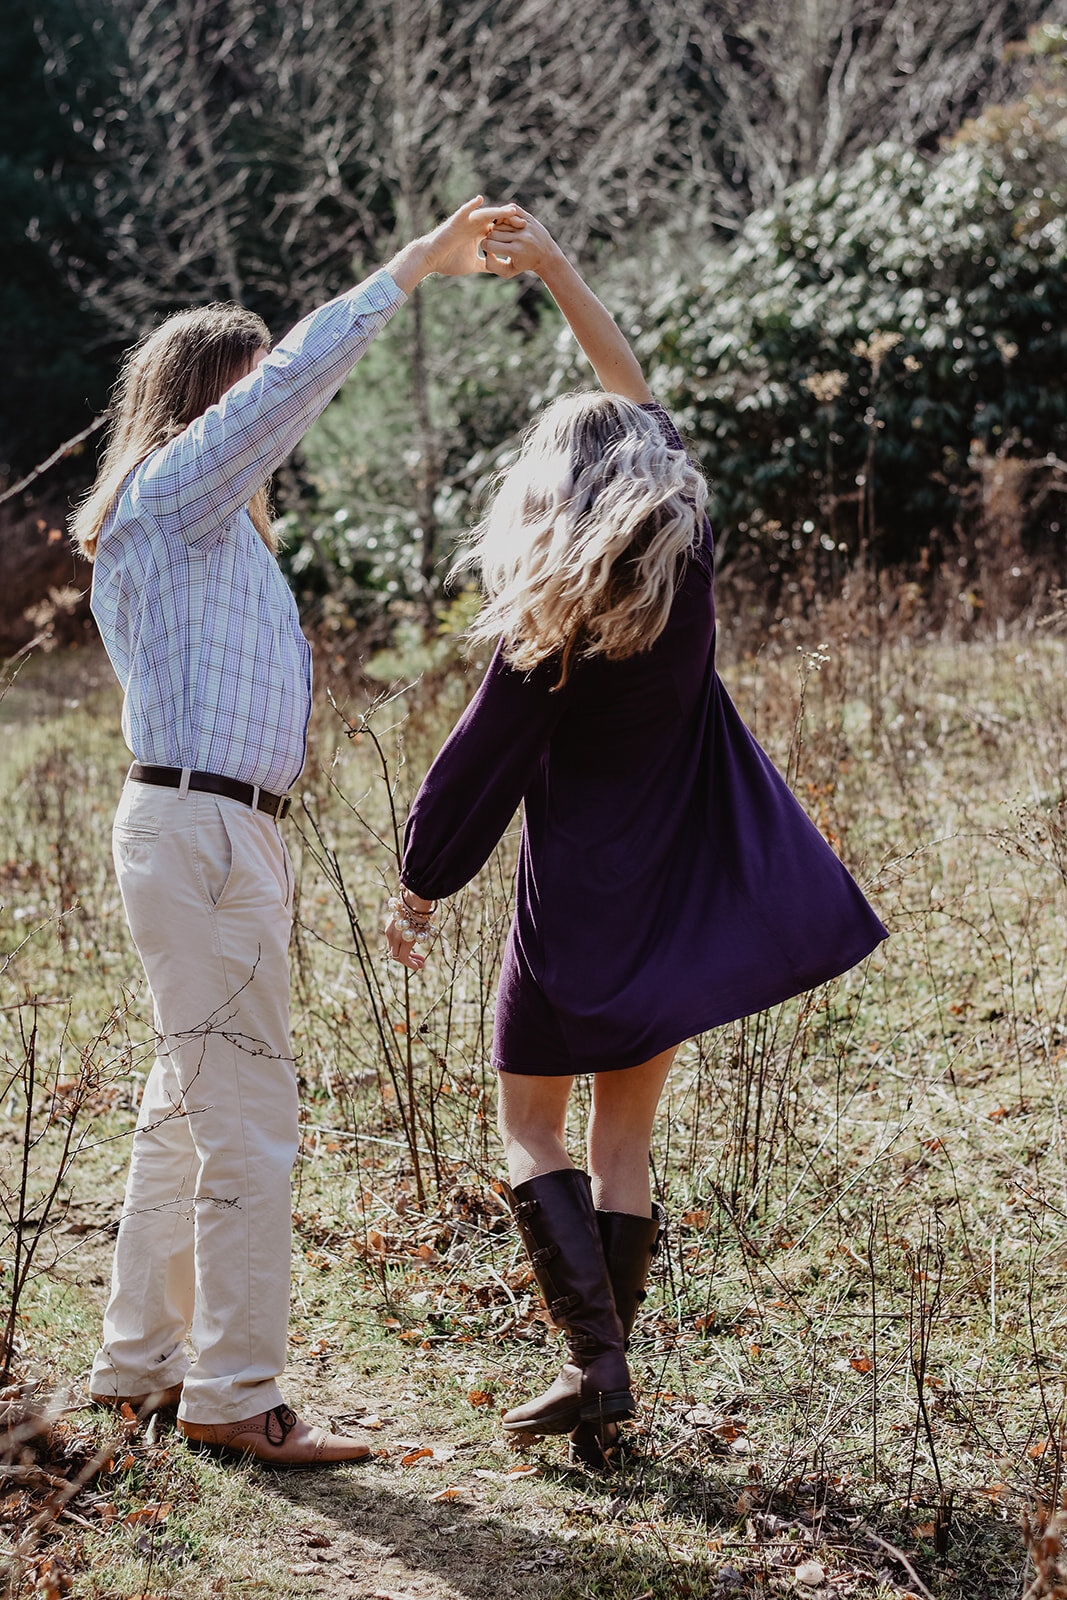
pixel 631 1244
pixel 558 1225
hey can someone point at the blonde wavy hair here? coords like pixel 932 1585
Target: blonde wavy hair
pixel 586 536
pixel 167 380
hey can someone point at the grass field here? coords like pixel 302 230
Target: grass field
pixel 852 1369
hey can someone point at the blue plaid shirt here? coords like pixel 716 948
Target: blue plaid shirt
pixel 200 625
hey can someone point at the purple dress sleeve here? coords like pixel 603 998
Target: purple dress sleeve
pixel 479 777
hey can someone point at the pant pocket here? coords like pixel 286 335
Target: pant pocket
pixel 214 852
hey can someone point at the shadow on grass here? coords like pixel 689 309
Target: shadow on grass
pixel 652 1531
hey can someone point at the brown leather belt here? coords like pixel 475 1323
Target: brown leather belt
pixel 275 805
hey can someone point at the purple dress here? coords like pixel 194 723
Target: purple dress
pixel 668 881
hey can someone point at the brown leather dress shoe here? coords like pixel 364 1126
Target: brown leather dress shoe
pixel 142 1404
pixel 278 1437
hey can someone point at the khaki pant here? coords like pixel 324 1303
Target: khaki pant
pixel 204 1240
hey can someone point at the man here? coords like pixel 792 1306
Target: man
pixel 205 639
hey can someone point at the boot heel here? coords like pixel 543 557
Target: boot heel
pixel 609 1407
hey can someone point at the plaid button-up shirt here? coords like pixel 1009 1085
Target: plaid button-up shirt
pixel 200 625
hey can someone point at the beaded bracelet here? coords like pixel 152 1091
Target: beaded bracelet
pixel 414 927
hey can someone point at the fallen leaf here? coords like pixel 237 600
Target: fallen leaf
pixel 415 1455
pixel 370 1422
pixel 428 1253
pixel 1036 1451
pixel 453 1492
pixel 478 1397
pixel 924 1530
pixel 530 1470
pixel 811 1574
pixel 151 1515
pixel 695 1219
pixel 861 1363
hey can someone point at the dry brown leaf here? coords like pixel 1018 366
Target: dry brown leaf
pixel 370 1422
pixel 453 1492
pixel 529 1470
pixel 415 1455
pixel 861 1363
pixel 151 1515
pixel 478 1397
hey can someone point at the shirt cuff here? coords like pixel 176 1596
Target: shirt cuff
pixel 382 289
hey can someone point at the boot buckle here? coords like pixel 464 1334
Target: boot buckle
pixel 539 1257
pixel 565 1303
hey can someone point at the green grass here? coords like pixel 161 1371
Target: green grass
pixel 867 1188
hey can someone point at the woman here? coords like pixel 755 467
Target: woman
pixel 205 639
pixel 668 881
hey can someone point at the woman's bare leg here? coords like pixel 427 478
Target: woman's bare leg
pixel 532 1116
pixel 620 1134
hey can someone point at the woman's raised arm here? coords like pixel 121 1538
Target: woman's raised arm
pixel 511 249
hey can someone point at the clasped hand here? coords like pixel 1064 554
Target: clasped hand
pixel 503 240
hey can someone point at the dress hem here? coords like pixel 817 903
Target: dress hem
pixel 796 986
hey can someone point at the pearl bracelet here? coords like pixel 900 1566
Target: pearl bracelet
pixel 414 927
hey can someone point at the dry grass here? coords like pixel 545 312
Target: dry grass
pixel 851 1362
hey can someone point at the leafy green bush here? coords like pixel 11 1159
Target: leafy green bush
pixel 839 368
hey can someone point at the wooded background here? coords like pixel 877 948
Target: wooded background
pixel 835 227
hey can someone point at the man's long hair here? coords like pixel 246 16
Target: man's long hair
pixel 167 380
pixel 585 540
